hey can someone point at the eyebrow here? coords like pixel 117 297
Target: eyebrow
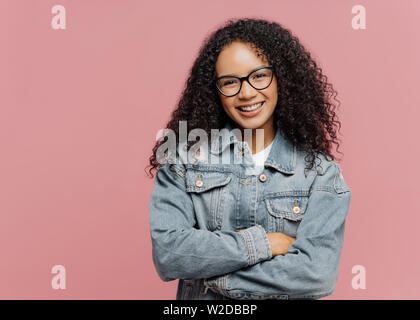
pixel 234 75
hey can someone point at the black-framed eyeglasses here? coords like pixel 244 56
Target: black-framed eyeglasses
pixel 259 79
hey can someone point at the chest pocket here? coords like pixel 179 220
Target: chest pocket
pixel 285 213
pixel 208 190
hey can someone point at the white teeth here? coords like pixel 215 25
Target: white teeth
pixel 251 108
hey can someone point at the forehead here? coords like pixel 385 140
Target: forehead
pixel 238 58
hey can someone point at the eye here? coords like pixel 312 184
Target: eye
pixel 259 75
pixel 228 82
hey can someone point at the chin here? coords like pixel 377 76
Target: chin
pixel 251 126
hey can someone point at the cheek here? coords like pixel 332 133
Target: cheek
pixel 273 94
pixel 227 105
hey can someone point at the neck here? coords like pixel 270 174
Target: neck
pixel 260 139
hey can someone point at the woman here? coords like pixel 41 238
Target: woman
pixel 266 222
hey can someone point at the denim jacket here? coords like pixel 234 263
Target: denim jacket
pixel 209 223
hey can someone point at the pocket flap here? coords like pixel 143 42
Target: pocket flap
pixel 209 180
pixel 289 207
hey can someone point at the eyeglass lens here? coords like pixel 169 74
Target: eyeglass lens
pixel 259 79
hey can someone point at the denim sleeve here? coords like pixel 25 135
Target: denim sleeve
pixel 309 269
pixel 181 251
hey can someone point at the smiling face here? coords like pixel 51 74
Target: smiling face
pixel 240 59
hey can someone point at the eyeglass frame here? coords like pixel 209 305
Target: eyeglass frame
pixel 241 79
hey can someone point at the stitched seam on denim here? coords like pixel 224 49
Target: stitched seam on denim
pixel 340 188
pixel 328 189
pixel 213 168
pixel 220 210
pixel 178 171
pixel 251 248
pixel 248 241
pixel 193 188
pixel 236 208
pixel 324 188
pixel 337 171
pixel 254 245
pixel 254 295
pixel 314 296
pixel 267 243
pixel 155 243
pixel 213 203
pixel 224 285
pixel 255 194
pixel 232 293
pixel 291 193
pixel 265 239
pixel 221 282
pixel 176 181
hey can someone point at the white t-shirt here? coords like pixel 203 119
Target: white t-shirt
pixel 260 157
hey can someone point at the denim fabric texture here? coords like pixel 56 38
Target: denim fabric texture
pixel 212 235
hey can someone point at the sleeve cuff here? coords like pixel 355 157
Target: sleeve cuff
pixel 256 242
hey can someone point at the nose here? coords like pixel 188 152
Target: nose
pixel 247 91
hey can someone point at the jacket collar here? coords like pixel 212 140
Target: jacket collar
pixel 282 156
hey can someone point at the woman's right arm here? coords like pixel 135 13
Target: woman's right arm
pixel 180 251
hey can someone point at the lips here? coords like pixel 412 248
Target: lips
pixel 253 113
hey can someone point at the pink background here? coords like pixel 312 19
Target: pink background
pixel 80 108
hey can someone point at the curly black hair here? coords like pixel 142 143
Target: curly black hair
pixel 304 111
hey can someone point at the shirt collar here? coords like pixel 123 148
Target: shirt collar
pixel 282 156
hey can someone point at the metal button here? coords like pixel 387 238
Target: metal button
pixel 263 177
pixel 198 182
pixel 296 208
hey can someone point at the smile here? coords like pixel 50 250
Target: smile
pixel 251 111
pixel 251 108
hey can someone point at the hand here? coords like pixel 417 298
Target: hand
pixel 279 243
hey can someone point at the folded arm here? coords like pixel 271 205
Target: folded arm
pixel 181 251
pixel 310 267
